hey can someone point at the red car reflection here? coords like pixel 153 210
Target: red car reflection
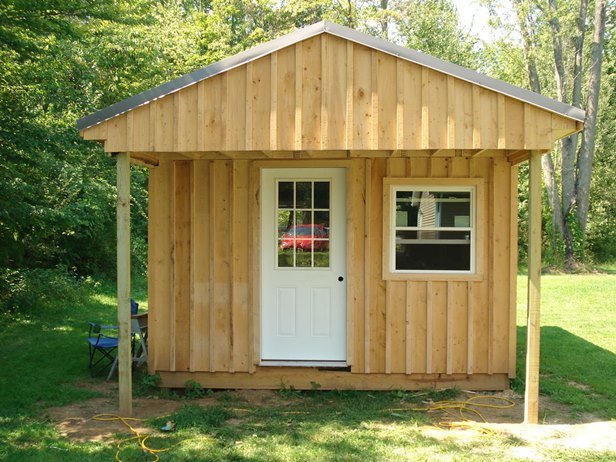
pixel 302 237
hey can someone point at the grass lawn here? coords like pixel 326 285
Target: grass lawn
pixel 578 340
pixel 43 364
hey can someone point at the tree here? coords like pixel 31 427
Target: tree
pixel 545 27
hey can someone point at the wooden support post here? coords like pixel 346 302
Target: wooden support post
pixel 123 274
pixel 533 327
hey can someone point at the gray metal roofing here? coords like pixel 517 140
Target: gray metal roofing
pixel 343 32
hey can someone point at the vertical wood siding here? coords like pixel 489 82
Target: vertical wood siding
pixel 204 276
pixel 326 93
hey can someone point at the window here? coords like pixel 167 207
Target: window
pixel 302 211
pixel 431 228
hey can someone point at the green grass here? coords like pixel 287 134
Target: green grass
pixel 578 340
pixel 43 363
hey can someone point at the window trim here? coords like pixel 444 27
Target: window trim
pixel 478 226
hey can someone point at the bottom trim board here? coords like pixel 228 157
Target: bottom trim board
pixel 305 379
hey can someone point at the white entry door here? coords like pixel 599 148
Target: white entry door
pixel 303 265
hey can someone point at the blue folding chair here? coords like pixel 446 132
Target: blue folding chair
pixel 103 348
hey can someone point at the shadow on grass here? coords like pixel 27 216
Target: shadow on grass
pixel 574 371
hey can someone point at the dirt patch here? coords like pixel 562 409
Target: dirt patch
pixel 559 428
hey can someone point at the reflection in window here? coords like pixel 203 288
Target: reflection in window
pixel 433 229
pixel 303 211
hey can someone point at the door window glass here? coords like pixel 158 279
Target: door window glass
pixel 303 228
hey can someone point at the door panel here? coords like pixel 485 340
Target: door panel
pixel 303 265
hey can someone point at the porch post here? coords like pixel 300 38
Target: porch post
pixel 533 327
pixel 123 274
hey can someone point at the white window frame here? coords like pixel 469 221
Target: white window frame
pixel 473 185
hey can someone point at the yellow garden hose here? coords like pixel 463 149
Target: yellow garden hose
pixel 467 411
pixel 139 437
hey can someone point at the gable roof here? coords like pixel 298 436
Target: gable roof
pixel 259 51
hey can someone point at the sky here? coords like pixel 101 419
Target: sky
pixel 475 17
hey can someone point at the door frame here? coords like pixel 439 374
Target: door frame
pixel 255 257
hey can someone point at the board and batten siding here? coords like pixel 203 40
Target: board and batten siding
pixel 204 293
pixel 324 94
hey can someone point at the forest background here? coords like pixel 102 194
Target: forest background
pixel 63 59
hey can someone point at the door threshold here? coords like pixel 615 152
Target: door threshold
pixel 290 363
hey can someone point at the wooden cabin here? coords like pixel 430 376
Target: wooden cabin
pixel 332 210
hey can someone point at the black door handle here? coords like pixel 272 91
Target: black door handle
pixel 340 278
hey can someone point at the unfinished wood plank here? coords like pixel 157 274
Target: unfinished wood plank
pixel 349 96
pixel 513 270
pixel 458 303
pixel 159 271
pixel 162 124
pixel 376 282
pixel 123 284
pixel 413 105
pixel 180 256
pixel 212 104
pixel 250 93
pixel 451 112
pixel 326 72
pixel 288 124
pixel 362 97
pixel 470 331
pixel 240 265
pixel 116 136
pixel 221 322
pixel 355 259
pixel 438 305
pixel 374 98
pixel 387 101
pixel 429 327
pixel 311 93
pixel 254 283
pixel 336 91
pixel 514 124
pixel 273 115
pixel 235 120
pixel 400 74
pixel 302 378
pixel 261 96
pixel 187 118
pixel 367 268
pixel 299 94
pixel 437 118
pixel 425 108
pixel 140 129
pixel 417 324
pixel 464 114
pixel 531 395
pixel 501 208
pixel 200 260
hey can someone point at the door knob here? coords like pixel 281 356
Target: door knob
pixel 340 278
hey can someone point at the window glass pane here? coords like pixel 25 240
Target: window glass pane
pixel 321 221
pixel 285 254
pixel 407 208
pixel 285 222
pixel 285 194
pixel 431 237
pixel 304 217
pixel 454 208
pixel 303 259
pixel 429 247
pixel 321 194
pixel 445 257
pixel 303 195
pixel 321 254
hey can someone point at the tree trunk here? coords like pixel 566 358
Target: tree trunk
pixel 547 163
pixel 587 148
pixel 569 144
pixel 384 21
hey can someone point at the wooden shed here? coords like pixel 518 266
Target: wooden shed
pixel 330 209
